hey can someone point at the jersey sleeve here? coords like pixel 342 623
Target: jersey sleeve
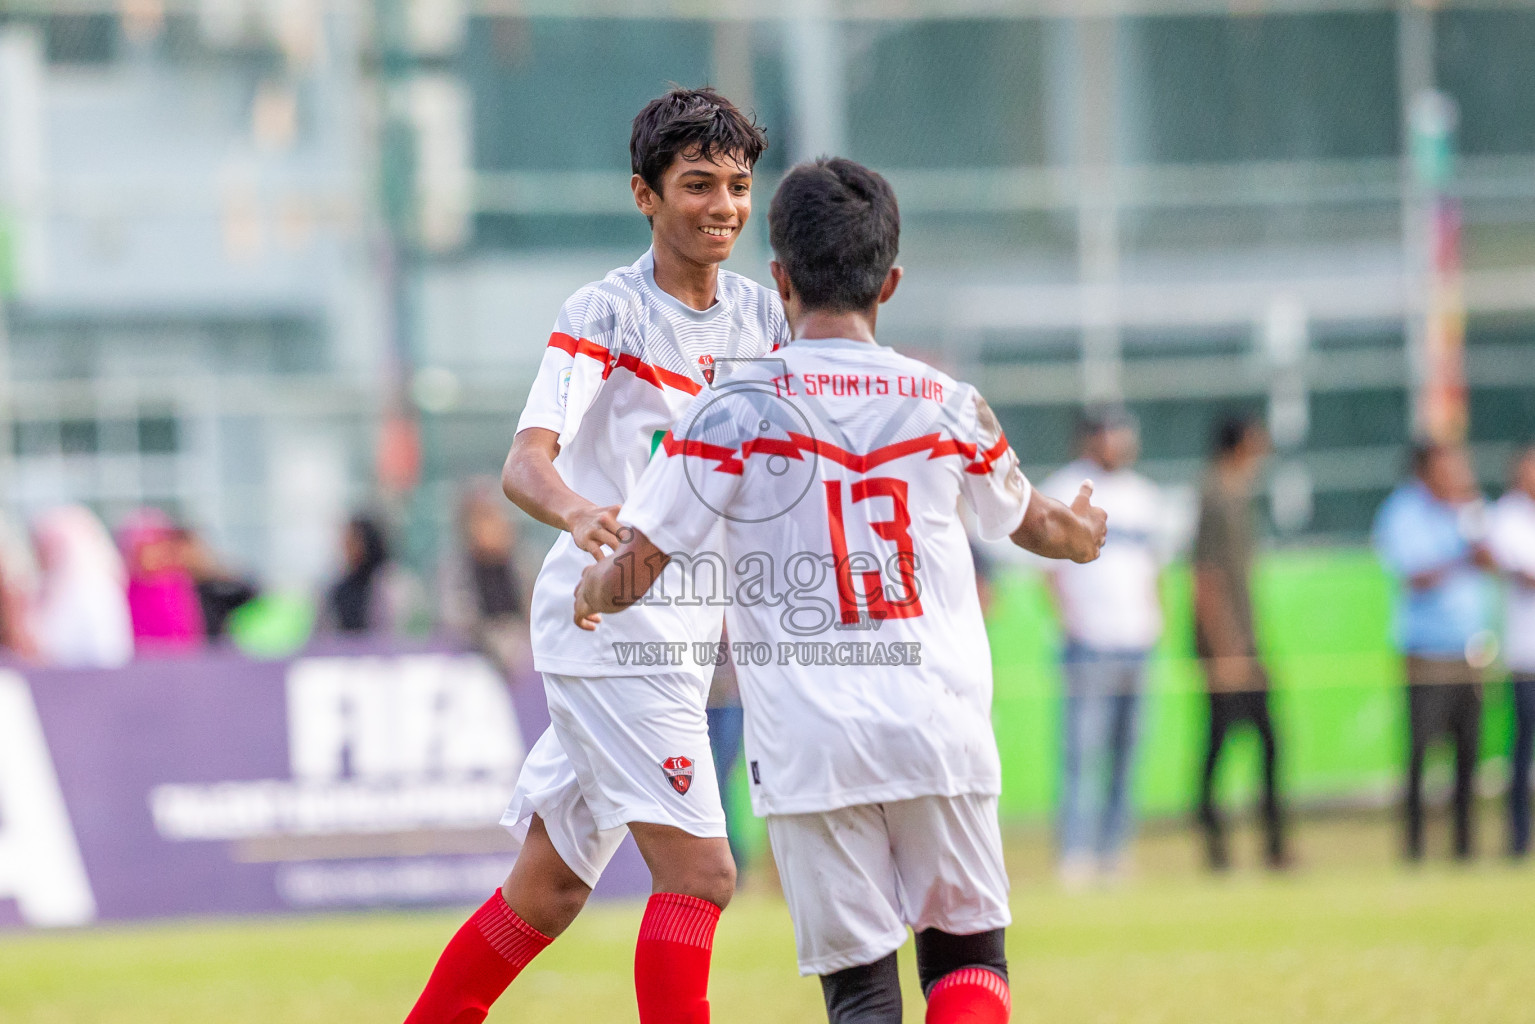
pixel 778 334
pixel 993 483
pixel 692 479
pixel 564 388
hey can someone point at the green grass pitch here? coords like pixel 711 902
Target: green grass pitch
pixel 1350 937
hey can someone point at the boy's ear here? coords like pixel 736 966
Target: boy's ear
pixel 892 281
pixel 645 197
pixel 781 279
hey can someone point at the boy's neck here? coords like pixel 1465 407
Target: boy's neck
pixel 691 283
pixel 817 323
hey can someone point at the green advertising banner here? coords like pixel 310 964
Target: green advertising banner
pixel 1324 627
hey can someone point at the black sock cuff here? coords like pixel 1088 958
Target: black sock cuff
pixel 941 953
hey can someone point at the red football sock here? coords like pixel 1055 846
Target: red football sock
pixel 491 949
pixel 671 959
pixel 970 995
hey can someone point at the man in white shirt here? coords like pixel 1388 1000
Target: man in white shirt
pixel 628 747
pixel 836 467
pixel 1111 618
pixel 1511 536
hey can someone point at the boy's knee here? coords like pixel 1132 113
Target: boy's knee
pixel 714 879
pixel 709 875
pixel 569 895
pixel 696 866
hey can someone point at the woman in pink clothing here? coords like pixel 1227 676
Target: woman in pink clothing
pixel 162 598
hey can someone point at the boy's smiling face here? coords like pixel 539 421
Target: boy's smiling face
pixel 701 207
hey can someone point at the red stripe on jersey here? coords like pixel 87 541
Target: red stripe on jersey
pixel 650 373
pixel 982 465
pixel 726 457
pixel 935 445
pixel 847 598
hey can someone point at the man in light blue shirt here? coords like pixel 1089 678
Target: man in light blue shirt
pixel 1430 535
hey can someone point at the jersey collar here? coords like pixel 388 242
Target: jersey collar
pixel 844 343
pixel 647 266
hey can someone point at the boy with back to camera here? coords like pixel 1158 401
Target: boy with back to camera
pixel 836 466
pixel 628 748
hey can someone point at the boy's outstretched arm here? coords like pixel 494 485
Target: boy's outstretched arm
pixel 1054 530
pixel 614 583
pixel 532 483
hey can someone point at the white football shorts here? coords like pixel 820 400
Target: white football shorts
pixel 856 878
pixel 618 749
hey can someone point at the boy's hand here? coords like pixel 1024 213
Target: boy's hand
pixel 1094 519
pixel 584 616
pixel 594 527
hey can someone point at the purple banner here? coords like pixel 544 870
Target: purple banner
pixel 348 777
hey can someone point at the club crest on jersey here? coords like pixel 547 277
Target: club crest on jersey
pixel 706 367
pixel 679 772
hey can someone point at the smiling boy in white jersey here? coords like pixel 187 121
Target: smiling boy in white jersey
pixel 626 752
pixel 862 657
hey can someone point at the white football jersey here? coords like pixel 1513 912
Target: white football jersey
pixel 836 468
pixel 624 361
pixel 1111 604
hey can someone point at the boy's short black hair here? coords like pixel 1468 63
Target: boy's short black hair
pixel 835 228
pixel 691 122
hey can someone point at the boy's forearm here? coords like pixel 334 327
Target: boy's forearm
pixel 621 580
pixel 1051 530
pixel 614 588
pixel 531 482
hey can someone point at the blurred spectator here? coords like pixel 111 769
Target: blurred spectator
pixel 82 615
pixel 18 586
pixel 219 589
pixel 1225 639
pixel 1111 618
pixel 162 599
pixel 1512 539
pixel 1430 535
pixel 482 594
pixel 374 595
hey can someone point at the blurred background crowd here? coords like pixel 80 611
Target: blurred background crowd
pixel 275 275
pixel 74 594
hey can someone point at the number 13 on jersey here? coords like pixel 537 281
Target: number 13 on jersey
pixel 905 601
